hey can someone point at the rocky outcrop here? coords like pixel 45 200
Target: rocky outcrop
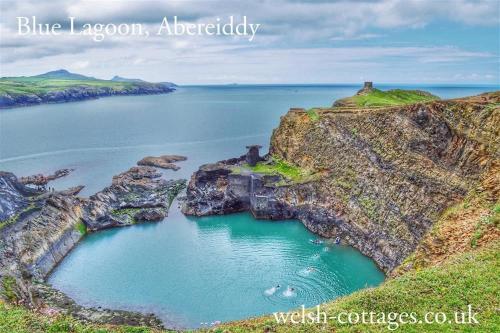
pixel 33 242
pixel 58 302
pixel 14 196
pixel 163 161
pixel 386 174
pixel 42 180
pixel 136 195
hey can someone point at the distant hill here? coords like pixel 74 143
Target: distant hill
pixel 63 74
pixel 62 86
pixel 117 78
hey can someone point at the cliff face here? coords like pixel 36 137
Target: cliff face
pixel 382 176
pixel 34 241
pixel 14 197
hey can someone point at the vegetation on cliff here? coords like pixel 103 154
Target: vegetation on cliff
pixel 63 86
pixel 470 278
pixel 456 264
pixel 290 173
pixel 472 223
pixel 45 226
pixel 14 218
pixel 17 319
pixel 389 172
pixel 378 98
pixel 419 182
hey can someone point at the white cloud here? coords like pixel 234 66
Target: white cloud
pixel 356 37
pixel 79 65
pixel 298 40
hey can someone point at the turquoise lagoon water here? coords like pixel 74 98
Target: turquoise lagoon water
pixel 189 271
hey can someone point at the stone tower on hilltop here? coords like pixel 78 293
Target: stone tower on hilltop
pixel 368 87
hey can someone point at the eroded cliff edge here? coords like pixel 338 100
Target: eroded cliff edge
pixel 376 177
pixel 40 227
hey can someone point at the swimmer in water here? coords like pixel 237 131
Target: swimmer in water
pixel 272 290
pixel 289 292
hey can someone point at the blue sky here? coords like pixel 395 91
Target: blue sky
pixel 386 41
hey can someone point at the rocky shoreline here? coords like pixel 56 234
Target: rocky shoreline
pixel 39 228
pixel 75 94
pixel 381 177
pixel 376 178
pixel 41 180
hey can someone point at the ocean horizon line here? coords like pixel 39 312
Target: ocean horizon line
pixel 429 85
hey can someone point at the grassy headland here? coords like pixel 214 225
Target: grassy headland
pixel 377 98
pixel 63 86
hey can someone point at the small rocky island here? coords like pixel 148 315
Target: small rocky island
pixel 163 161
pixel 38 228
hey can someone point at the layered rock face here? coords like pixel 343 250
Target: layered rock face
pixel 135 195
pixel 386 173
pixel 34 241
pixel 13 195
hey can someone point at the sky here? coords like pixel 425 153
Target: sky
pixel 386 41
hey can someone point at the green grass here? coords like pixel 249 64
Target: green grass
pixel 15 319
pixel 288 171
pixel 280 167
pixel 378 98
pixel 472 278
pixel 15 217
pixel 130 212
pixel 313 115
pixel 369 206
pixel 81 227
pixel 8 285
pixel 40 86
pixel 492 219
